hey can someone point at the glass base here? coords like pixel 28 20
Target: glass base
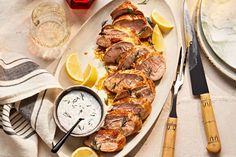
pixel 46 53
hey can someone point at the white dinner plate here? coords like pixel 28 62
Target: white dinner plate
pixel 217 61
pixel 218 21
pixel 84 44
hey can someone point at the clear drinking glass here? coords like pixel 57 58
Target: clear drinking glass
pixel 49 30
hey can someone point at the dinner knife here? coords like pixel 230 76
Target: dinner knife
pixel 199 84
pixel 170 132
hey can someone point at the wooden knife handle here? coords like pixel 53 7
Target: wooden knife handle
pixel 169 141
pixel 211 130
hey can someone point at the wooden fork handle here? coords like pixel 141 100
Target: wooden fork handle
pixel 213 138
pixel 169 141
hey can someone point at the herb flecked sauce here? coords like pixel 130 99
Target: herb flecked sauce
pixel 79 104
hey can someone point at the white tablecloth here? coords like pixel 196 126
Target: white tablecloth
pixel 191 140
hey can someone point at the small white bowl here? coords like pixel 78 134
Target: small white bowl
pixel 85 89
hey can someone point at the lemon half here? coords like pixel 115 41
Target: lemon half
pixel 73 68
pixel 157 39
pixel 84 152
pixel 164 25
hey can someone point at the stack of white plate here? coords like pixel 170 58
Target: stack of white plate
pixel 216 30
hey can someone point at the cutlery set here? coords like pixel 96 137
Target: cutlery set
pixel 199 88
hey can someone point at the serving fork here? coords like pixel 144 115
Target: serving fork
pixel 170 132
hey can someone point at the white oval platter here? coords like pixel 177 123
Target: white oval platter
pixel 85 41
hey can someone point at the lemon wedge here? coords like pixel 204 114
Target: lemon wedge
pixel 90 76
pixel 99 85
pixel 84 152
pixel 73 68
pixel 157 39
pixel 164 25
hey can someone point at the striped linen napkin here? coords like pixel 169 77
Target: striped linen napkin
pixel 27 94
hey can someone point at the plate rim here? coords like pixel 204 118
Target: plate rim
pixel 220 65
pixel 210 44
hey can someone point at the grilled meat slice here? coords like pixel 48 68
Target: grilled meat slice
pixel 131 13
pixel 130 83
pixel 108 30
pixel 123 120
pixel 124 80
pixel 104 41
pixel 125 8
pixel 106 140
pixel 139 106
pixel 146 92
pixel 143 50
pixel 113 52
pixel 111 34
pixel 146 32
pixel 115 35
pixel 123 94
pixel 153 65
pixel 128 59
pixel 134 22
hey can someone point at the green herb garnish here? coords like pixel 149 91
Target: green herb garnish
pixel 113 85
pixel 124 121
pixel 142 30
pixel 106 101
pixel 150 22
pixel 104 22
pixel 143 2
pixel 130 11
pixel 95 145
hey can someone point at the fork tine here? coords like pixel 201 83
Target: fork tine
pixel 180 58
pixel 179 62
pixel 185 61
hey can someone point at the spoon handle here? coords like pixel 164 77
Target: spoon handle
pixel 63 139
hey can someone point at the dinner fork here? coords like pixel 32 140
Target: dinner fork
pixel 170 132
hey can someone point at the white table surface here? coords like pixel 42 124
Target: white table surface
pixel 191 141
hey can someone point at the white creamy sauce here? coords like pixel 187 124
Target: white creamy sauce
pixel 79 104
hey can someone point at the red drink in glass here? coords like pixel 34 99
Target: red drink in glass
pixel 79 4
